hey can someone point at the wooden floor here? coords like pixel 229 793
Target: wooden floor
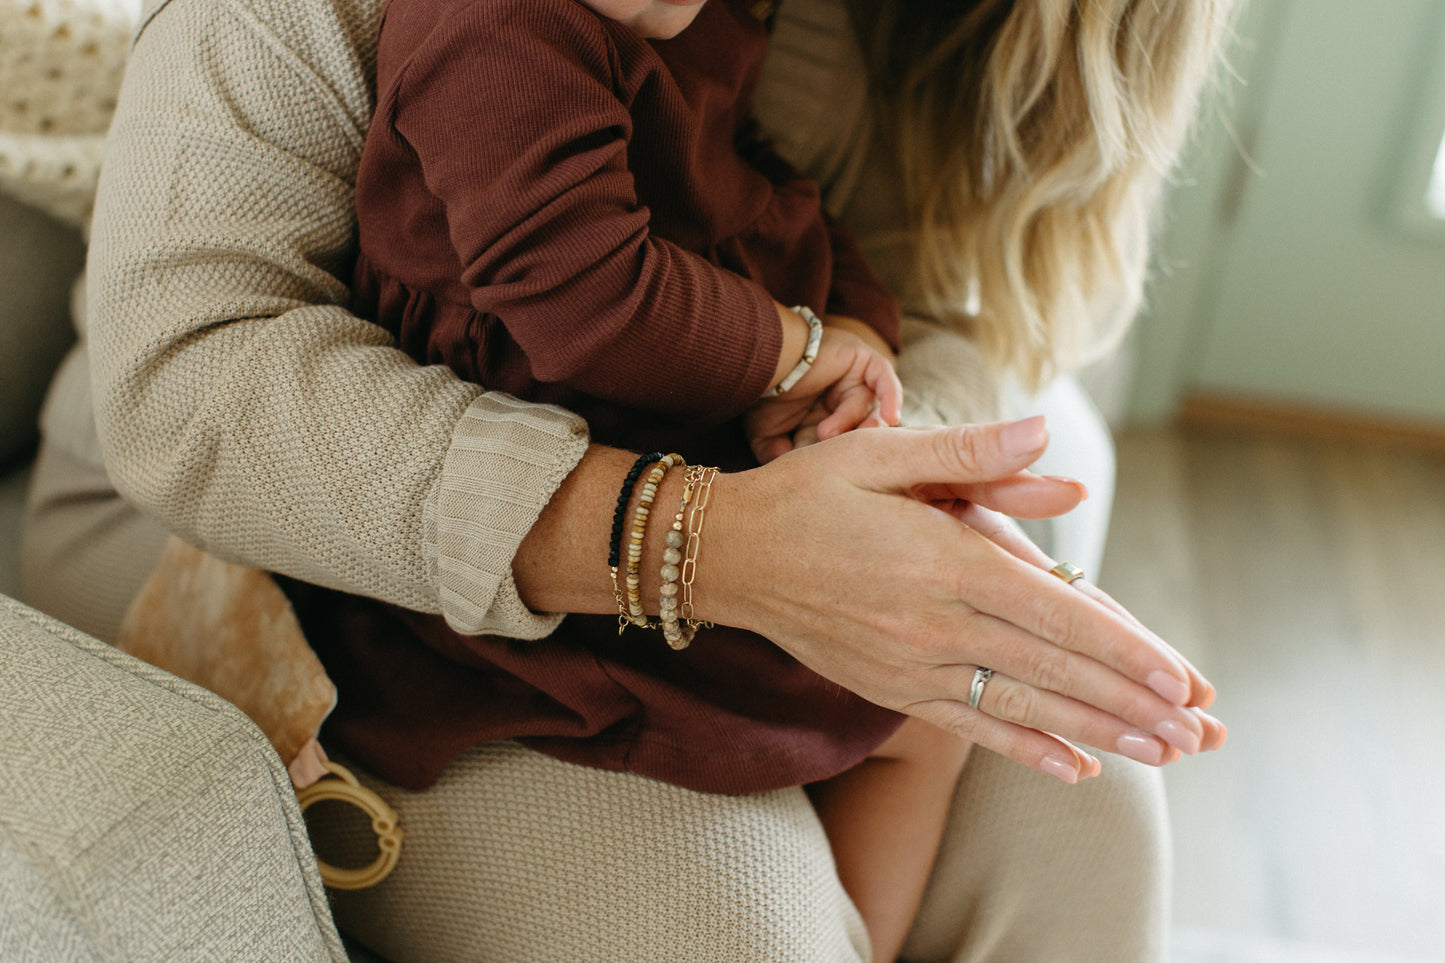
pixel 1307 580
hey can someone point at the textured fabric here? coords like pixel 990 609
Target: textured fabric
pixel 60 67
pixel 292 458
pixel 1031 869
pixel 141 818
pixel 517 857
pixel 552 206
pixel 546 200
pixel 193 474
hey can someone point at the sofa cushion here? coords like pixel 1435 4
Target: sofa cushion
pixel 141 818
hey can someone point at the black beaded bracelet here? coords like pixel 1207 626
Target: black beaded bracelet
pixel 619 516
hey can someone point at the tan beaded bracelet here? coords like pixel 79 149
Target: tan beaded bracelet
pixel 678 626
pixel 634 613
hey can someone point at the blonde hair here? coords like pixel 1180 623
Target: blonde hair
pixel 1035 138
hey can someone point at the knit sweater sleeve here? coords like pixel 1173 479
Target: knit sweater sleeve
pixel 237 399
pixel 545 220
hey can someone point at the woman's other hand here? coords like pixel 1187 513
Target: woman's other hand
pixel 875 559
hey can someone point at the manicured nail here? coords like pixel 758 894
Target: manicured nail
pixel 1023 437
pixel 1178 736
pixel 1083 489
pixel 1173 688
pixel 1061 768
pixel 1141 747
pixel 1220 732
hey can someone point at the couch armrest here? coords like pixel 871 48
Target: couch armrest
pixel 141 817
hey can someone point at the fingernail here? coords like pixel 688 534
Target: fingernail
pixel 1023 437
pixel 1065 479
pixel 1061 768
pixel 1215 731
pixel 1173 688
pixel 1141 747
pixel 1178 736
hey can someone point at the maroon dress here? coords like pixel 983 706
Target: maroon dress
pixel 555 208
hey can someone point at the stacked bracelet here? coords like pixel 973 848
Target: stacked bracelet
pixel 695 521
pixel 614 546
pixel 677 636
pixel 634 612
pixel 810 352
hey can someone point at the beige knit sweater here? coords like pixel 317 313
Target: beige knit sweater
pixel 240 402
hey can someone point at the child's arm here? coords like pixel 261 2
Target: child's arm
pixel 849 385
pixel 542 212
pixel 857 299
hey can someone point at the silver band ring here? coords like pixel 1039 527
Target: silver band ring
pixel 975 691
pixel 1067 571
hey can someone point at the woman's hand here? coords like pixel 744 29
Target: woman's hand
pixel 875 560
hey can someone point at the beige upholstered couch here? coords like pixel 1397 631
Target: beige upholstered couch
pixel 141 818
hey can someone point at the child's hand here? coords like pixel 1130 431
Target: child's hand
pixel 849 386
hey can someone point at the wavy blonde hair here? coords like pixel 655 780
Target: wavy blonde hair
pixel 1035 138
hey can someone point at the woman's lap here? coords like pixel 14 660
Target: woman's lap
pixel 587 865
pixel 515 856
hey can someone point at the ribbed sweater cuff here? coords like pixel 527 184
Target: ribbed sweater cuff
pixel 506 460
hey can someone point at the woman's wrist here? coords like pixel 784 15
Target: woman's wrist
pixel 562 564
pixel 727 590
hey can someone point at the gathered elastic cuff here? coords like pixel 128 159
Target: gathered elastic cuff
pixel 507 458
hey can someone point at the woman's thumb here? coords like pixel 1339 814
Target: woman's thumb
pixel 952 455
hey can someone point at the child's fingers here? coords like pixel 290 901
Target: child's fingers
pixel 883 381
pixel 875 420
pixel 850 407
pixel 767 449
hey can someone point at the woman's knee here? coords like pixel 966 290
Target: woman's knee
pixel 1034 869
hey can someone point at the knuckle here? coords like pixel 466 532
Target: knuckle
pixel 1050 671
pixel 1015 703
pixel 948 717
pixel 964 725
pixel 959 449
pixel 1057 622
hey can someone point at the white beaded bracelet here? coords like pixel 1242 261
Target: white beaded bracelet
pixel 810 352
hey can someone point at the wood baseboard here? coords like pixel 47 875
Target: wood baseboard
pixel 1235 413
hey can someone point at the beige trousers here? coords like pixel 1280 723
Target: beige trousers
pixel 517 857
